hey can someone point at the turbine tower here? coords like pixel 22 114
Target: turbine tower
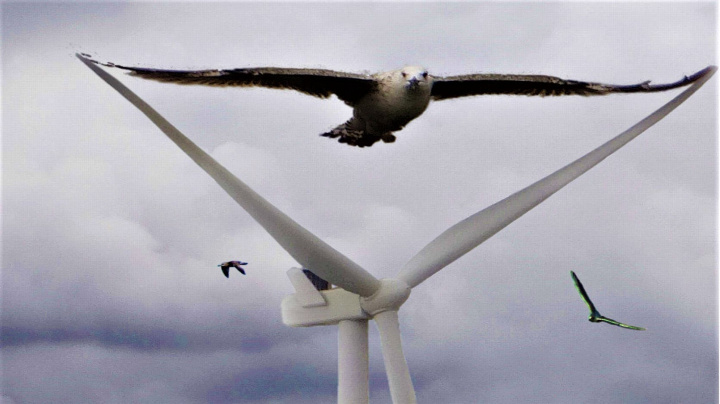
pixel 360 296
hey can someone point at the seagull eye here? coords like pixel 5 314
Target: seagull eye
pixel 424 75
pixel 404 74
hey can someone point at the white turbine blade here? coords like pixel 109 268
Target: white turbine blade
pixel 306 248
pixel 471 232
pixel 398 374
pixel 353 370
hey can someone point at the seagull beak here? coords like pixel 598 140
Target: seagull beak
pixel 413 83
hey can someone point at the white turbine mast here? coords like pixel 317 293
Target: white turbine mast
pixel 360 296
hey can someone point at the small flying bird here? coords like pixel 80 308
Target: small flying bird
pixel 385 102
pixel 225 266
pixel 595 315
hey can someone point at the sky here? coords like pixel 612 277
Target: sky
pixel 112 236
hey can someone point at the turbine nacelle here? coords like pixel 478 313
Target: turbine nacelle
pixel 309 307
pixel 340 305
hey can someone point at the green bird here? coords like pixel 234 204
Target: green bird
pixel 595 315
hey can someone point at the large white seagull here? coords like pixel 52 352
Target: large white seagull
pixel 385 102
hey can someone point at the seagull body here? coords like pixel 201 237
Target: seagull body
pixel 225 267
pixel 384 103
pixel 595 315
pixel 399 97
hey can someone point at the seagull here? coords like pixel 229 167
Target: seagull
pixel 595 315
pixel 225 266
pixel 385 102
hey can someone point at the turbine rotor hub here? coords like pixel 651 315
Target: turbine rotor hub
pixel 390 296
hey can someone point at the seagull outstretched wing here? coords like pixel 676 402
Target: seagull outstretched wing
pixel 518 84
pixel 322 83
pixel 617 323
pixel 583 294
pixel 595 315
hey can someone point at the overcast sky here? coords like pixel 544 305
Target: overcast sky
pixel 112 235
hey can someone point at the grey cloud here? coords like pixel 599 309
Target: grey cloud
pixel 112 236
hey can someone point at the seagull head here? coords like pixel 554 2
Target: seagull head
pixel 415 77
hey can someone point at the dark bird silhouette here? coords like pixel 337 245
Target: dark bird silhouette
pixel 385 102
pixel 595 315
pixel 225 266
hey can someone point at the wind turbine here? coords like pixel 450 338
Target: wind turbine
pixel 360 296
